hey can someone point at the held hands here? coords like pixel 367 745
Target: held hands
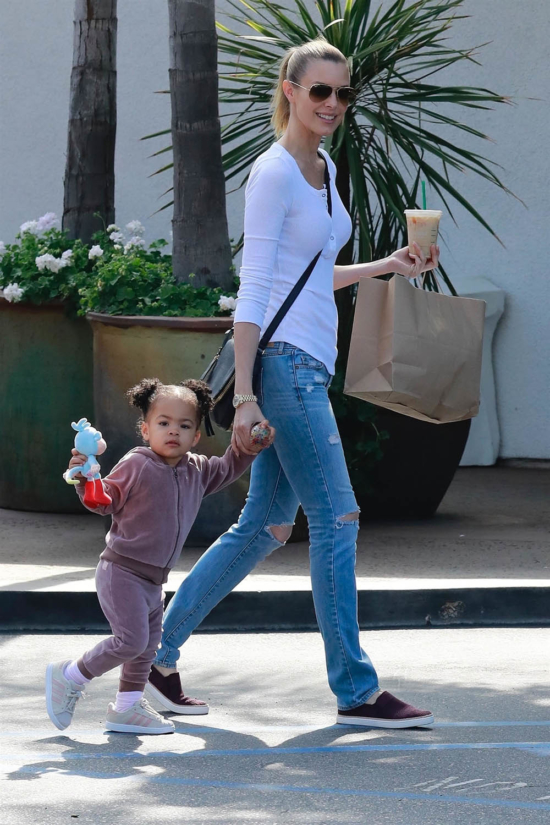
pixel 411 266
pixel 246 416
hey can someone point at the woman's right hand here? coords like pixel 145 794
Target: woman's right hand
pixel 246 415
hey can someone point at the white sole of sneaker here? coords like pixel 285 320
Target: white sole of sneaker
pixel 181 710
pixel 117 728
pixel 390 724
pixel 53 718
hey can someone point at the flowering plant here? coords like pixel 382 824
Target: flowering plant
pixel 131 278
pixel 43 265
pixel 116 275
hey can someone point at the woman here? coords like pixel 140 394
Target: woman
pixel 286 224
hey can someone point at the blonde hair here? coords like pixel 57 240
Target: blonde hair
pixel 293 67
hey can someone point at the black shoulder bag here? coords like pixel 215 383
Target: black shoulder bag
pixel 220 373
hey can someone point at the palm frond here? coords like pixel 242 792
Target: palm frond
pixel 404 126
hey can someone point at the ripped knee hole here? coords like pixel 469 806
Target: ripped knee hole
pixel 281 532
pixel 349 517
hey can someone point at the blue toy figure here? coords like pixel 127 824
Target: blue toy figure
pixel 90 443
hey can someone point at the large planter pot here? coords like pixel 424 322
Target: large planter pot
pixel 419 462
pixel 129 348
pixel 46 381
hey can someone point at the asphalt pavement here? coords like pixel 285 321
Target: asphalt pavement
pixel 269 751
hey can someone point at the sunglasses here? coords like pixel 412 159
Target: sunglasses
pixel 322 91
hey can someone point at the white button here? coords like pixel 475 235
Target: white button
pixel 332 237
pixel 324 194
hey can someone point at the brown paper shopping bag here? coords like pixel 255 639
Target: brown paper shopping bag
pixel 416 352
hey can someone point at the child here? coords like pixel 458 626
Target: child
pixel 156 493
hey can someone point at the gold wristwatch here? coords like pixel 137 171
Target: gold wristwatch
pixel 242 399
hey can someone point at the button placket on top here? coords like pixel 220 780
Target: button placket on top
pixel 330 247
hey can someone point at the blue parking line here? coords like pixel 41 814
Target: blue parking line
pixel 265 788
pixel 538 748
pixel 186 726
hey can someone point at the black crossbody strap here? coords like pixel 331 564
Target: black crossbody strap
pixel 299 285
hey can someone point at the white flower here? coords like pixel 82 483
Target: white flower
pixel 47 261
pixel 135 227
pixel 134 243
pixel 29 226
pixel 67 255
pixel 116 237
pixel 12 292
pixel 95 252
pixel 47 221
pixel 2 249
pixel 227 303
pixel 117 246
pixel 113 228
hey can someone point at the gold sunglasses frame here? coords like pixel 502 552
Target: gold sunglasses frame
pixel 334 89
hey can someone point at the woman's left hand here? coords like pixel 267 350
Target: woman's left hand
pixel 411 266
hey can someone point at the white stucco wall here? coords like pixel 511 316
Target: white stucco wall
pixel 35 64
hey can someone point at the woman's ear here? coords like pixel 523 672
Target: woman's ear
pixel 288 90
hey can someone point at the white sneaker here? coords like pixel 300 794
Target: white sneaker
pixel 61 694
pixel 139 718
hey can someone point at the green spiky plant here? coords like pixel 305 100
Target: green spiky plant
pixel 403 128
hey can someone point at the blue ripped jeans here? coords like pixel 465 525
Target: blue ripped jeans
pixel 305 465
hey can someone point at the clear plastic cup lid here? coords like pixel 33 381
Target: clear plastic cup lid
pixel 427 213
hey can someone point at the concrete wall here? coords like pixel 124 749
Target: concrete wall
pixel 515 63
pixel 35 64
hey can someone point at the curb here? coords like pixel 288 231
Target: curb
pixel 272 611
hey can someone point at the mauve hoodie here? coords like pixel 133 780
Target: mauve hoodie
pixel 154 505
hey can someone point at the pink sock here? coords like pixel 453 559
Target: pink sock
pixel 126 699
pixel 73 673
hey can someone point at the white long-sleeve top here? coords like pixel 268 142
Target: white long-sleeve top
pixel 286 222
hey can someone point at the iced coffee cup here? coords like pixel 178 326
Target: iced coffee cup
pixel 422 227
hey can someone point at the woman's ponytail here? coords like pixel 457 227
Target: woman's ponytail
pixel 279 103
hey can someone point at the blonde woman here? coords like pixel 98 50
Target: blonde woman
pixel 286 223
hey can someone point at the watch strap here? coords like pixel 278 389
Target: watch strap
pixel 242 399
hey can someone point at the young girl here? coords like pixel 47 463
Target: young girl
pixel 156 493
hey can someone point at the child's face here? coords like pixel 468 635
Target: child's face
pixel 171 428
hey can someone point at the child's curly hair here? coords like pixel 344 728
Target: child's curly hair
pixel 144 394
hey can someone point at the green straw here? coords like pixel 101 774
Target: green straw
pixel 423 194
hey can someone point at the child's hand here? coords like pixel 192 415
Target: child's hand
pixel 262 436
pixel 77 460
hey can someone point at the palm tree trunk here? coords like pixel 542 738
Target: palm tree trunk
pixel 201 240
pixel 90 172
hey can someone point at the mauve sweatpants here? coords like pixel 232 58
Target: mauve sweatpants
pixel 133 606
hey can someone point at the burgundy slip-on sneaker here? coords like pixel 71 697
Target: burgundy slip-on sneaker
pixel 167 691
pixel 387 712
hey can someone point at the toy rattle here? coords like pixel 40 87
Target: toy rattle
pixel 260 435
pixel 89 441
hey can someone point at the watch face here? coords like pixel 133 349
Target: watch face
pixel 235 401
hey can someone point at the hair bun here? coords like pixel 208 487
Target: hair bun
pixel 140 395
pixel 203 393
